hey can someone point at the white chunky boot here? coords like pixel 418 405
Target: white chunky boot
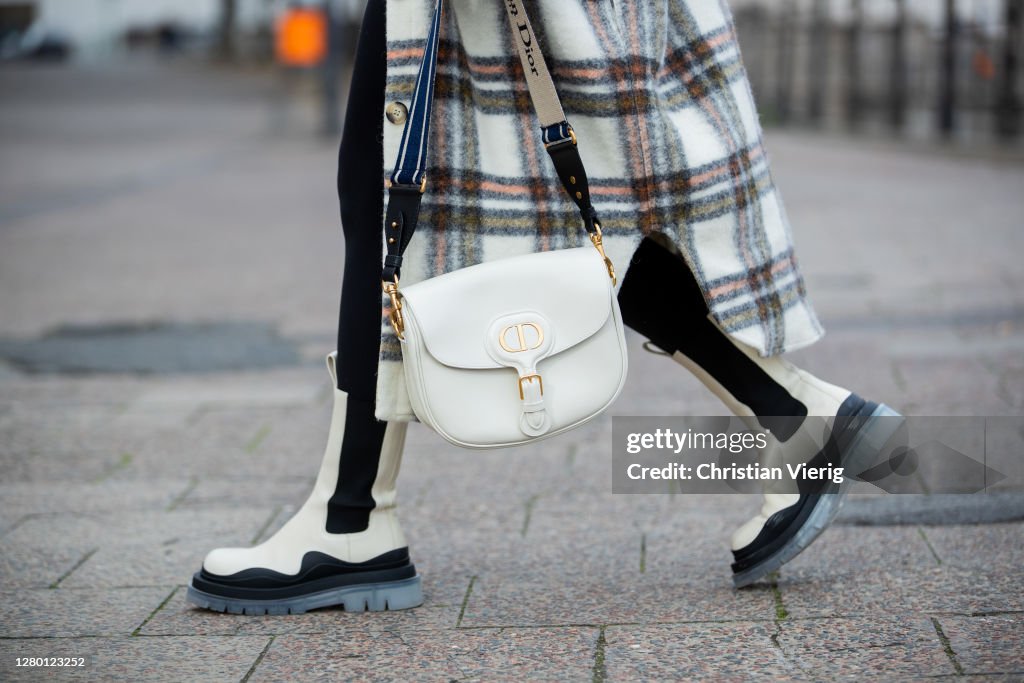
pixel 343 547
pixel 811 421
pixel 794 513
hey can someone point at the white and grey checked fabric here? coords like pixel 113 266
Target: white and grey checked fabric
pixel 667 128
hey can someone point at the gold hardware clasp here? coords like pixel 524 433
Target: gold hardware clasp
pixel 397 321
pixel 598 239
pixel 572 136
pixel 530 378
pixel 423 184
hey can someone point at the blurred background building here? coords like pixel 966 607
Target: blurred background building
pixel 923 69
pixel 915 68
pixel 98 30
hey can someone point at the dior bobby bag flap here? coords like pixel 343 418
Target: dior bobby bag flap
pixel 511 351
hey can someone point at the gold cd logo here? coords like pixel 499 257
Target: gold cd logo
pixel 520 337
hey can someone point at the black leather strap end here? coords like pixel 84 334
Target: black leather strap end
pixel 393 263
pixel 570 170
pixel 400 222
pixel 590 221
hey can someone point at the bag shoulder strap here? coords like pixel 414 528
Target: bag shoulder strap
pixel 409 179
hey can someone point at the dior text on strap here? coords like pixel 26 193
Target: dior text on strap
pixel 511 351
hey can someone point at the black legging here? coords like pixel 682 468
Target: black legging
pixel 360 169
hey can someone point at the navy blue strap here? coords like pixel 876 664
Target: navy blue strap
pixel 411 167
pixel 408 181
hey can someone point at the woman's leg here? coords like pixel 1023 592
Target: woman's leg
pixel 779 396
pixel 344 546
pixel 360 169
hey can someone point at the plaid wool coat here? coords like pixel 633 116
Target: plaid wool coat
pixel 667 128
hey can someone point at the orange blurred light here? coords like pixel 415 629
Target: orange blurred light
pixel 983 65
pixel 301 38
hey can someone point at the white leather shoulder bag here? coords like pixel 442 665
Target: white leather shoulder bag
pixel 511 351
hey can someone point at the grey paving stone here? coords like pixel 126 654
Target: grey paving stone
pixel 136 659
pixel 933 510
pixel 950 589
pixel 641 532
pixel 1004 442
pixel 250 390
pixel 443 595
pixel 878 648
pixel 819 592
pixel 90 497
pixel 503 473
pixel 696 543
pixel 451 489
pixel 1009 384
pixel 31 393
pixel 437 515
pixel 485 654
pixel 443 549
pixel 237 526
pixel 533 654
pixel 155 564
pixel 929 381
pixel 861 362
pixel 601 507
pixel 366 656
pixel 66 613
pixel 843 549
pixel 602 540
pixel 146 419
pixel 35 566
pixel 934 405
pixel 221 493
pixel 31 428
pixel 226 444
pixel 979 546
pixel 586 593
pixel 582 521
pixel 79 444
pixel 727 651
pixel 987 644
pixel 671 531
pixel 8 520
pixel 38 466
pixel 227 463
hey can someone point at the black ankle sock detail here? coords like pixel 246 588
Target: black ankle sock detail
pixel 348 510
pixel 661 300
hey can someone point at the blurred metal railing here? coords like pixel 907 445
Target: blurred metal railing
pixel 884 65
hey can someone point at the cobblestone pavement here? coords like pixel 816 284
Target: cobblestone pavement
pixel 148 195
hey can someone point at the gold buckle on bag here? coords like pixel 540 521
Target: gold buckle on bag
pixel 598 240
pixel 397 321
pixel 530 378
